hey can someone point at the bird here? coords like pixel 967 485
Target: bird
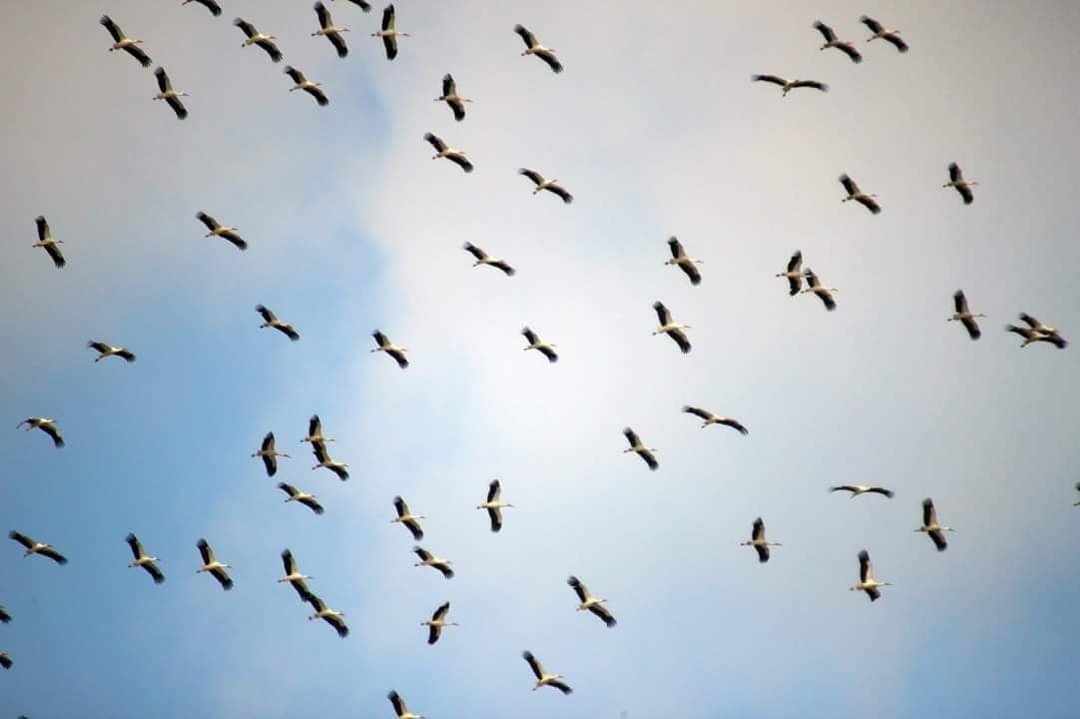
pixel 330 31
pixel 5 660
pixel 533 47
pixel 868 201
pixel 544 348
pixel 331 617
pixel 451 98
pixel 123 42
pixel 831 41
pixel 685 263
pixel 407 519
pixel 271 320
pixel 880 31
pixel 789 85
pixel 35 547
pixel 46 241
pixel 388 34
pixel 385 345
pixel 758 541
pixel 956 179
pixel 46 425
pixel 825 294
pixel 142 559
pixel 543 679
pixel 362 4
pixel 324 460
pixel 1077 504
pixel 494 505
pixel 302 83
pixel 482 258
pixel 5 618
pixel 589 603
pixel 858 489
pixel 295 495
pixel 212 565
pixel 444 150
pixel 218 230
pixel 671 329
pixel 965 316
pixel 427 559
pixel 269 454
pixel 710 418
pixel 793 274
pixel 931 527
pixel 169 95
pixel 211 5
pixel 544 184
pixel 254 37
pixel 866 582
pixel 400 708
pixel 315 434
pixel 293 576
pixel 106 350
pixel 1038 332
pixel 437 622
pixel 639 448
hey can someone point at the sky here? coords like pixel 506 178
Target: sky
pixel 657 130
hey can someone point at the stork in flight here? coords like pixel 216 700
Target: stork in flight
pixel 831 41
pixel 213 566
pixel 710 418
pixel 956 180
pixel 427 559
pixel 46 242
pixel 535 343
pixel 269 454
pixel 142 559
pixel 680 259
pixel 638 447
pixel 930 527
pixel 670 328
pixel 295 495
pixel 46 425
pixel 880 31
pixel 867 200
pixel 1036 331
pixel 315 434
pixel 965 316
pixel 793 274
pixel 789 85
pixel 407 519
pixel 437 622
pixel 293 576
pixel 866 582
pixel 254 37
pixel 211 5
pixel 330 31
pixel 388 33
pixel 543 679
pixel 270 320
pixel 300 82
pixel 334 618
pixel 589 603
pixel 533 47
pixel 216 229
pixel 759 542
pixel 542 183
pixel 401 709
pixel 123 42
pixel 33 546
pixel 169 95
pixel 391 349
pixel 483 258
pixel 106 350
pixel 450 96
pixel 814 286
pixel 444 150
pixel 494 505
pixel 324 460
pixel 860 489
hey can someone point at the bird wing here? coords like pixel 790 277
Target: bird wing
pixel 267 316
pixel 139 54
pixel 605 616
pixel 960 302
pixel 650 459
pixel 775 80
pixel 533 175
pixel 458 108
pixel 56 256
pixel 955 174
pixel 341 472
pixel 848 49
pixel 154 571
pixel 52 554
pixel 177 107
pixel 390 45
pixel 314 426
pixel 445 569
pixel 223 578
pixel 676 247
pixel 268 442
pixel 363 4
pixel 461 161
pixel 288 489
pixel 5 618
pixel 136 547
pixel 401 507
pixel 972 327
pixel 758 531
pixel 938 538
pixel 662 313
pixel 735 425
pixel 530 335
pixel 561 192
pixel 312 504
pixel 929 514
pixel 762 552
pixel 505 266
pixel 843 488
pixel 475 251
pixel 494 490
pixel 699 412
pixel 812 84
pixel 323 14
pixel 302 590
pixel 551 355
pixel 270 462
pixel 495 515
pixel 271 49
pixel 795 262
pixel 212 6
pixel 691 271
pixel 398 703
pixel 680 339
pixel 43 231
pixel 289 331
pixel 318 94
pixel 874 593
pixel 631 437
pixel 424 554
pixel 897 41
pixel 399 357
pixel 321 454
pixel 449 87
pixel 288 562
pixel 561 686
pixel 435 141
pixel 849 185
pixel 245 27
pixel 316 602
pixel 441 612
pixel 206 551
pixel 580 589
pixel 866 569
pixel 415 529
pixel 210 222
pixel 434 632
pixel 162 80
pixel 874 25
pixel 1035 324
pixel 825 30
pixel 794 285
pixel 881 490
pixel 388 18
pixel 296 75
pixel 52 431
pixel 1022 331
pixel 339 44
pixel 966 193
pixel 112 27
pixel 22 539
pixel 552 61
pixel 869 203
pixel 101 347
pixel 534 663
pixel 381 339
pixel 528 37
pixel 338 623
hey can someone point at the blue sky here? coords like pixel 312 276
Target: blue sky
pixel 656 129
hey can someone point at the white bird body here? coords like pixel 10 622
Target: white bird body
pixel 334 618
pixel 48 243
pixel 638 447
pixel 391 349
pixel 437 622
pixel 533 47
pixel 866 582
pixel 932 528
pixel 142 559
pixel 451 97
pixel 759 542
pixel 389 33
pixel 860 489
pixel 814 286
pixel 46 425
pixel 588 603
pixel 169 95
pixel 427 559
pixel 330 31
pixel 407 519
pixel 494 505
pixel 965 316
pixel 543 679
pixel 213 566
pixel 669 327
pixel 106 350
pixel 293 576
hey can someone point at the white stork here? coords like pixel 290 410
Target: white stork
pixel 494 505
pixel 216 229
pixel 880 31
pixel 427 559
pixel 407 519
pixel 293 576
pixel 543 679
pixel 956 179
pixel 867 200
pixel 300 82
pixel 333 618
pixel 860 489
pixel 793 274
pixel 831 41
pixel 444 150
pixel 330 31
pixel 46 425
pixel 437 622
pixel 542 183
pixel 669 328
pixel 169 95
pixel 710 418
pixel 213 566
pixel 35 547
pixel 254 37
pixel 401 709
pixel 482 258
pixel 533 47
pixel 123 42
pixel 1037 332
pixel 589 603
pixel 789 85
pixel 535 343
pixel 638 447
pixel 46 241
pixel 866 582
pixel 142 559
pixel 107 350
pixel 451 98
pixel 269 454
pixel 270 320
pixel 759 542
pixel 395 352
pixel 965 316
pixel 684 262
pixel 825 294
pixel 295 495
pixel 388 33
pixel 211 5
pixel 324 460
pixel 931 528
pixel 315 434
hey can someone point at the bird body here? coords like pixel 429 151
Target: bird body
pixel 142 559
pixel 964 316
pixel 541 183
pixel 334 618
pixel 881 32
pixel 932 528
pixel 589 603
pixel 814 286
pixel 216 229
pixel 860 489
pixel 293 576
pixel 494 505
pixel 670 328
pixel 32 546
pixel 269 454
pixel 710 418
pixel 789 85
pixel 46 425
pixel 48 243
pixel 482 258
pixel 407 519
pixel 867 200
pixel 444 150
pixel 759 542
pixel 535 343
pixel 638 447
pixel 543 679
pixel 106 350
pixel 533 47
pixel 866 582
pixel 169 95
pixel 450 96
pixel 427 559
pixel 391 349
pixel 793 274
pixel 956 180
pixel 254 37
pixel 295 495
pixel 213 566
pixel 389 33
pixel 300 82
pixel 330 31
pixel 831 41
pixel 270 320
pixel 680 259
pixel 123 42
pixel 437 622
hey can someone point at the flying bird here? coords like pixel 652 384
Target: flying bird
pixel 544 348
pixel 5 618
pixel 494 505
pixel 710 418
pixel 680 259
pixel 671 329
pixel 451 98
pixel 324 460
pixel 48 426
pixel 427 559
pixel 793 274
pixel 930 527
pixel 385 345
pixel 1038 332
pixel 758 541
pixel 814 286
pixel 867 583
pixel 218 230
pixel 589 603
pixel 400 708
pixel 211 5
pixel 123 42
pixel 859 489
pixel 956 179
pixel 831 41
pixel 315 435
pixel 533 47
pixel 437 622
pixel 35 547
pixel 5 660
pixel 300 82
pixel 106 350
pixel 482 258
pixel 293 576
pixel 965 316
pixel 271 320
pixel 212 565
pixel 269 454
pixel 639 448
pixel 407 519
pixel 444 150
pixel 331 617
pixel 789 85
pixel 388 34
pixel 868 201
pixel 880 31
pixel 254 37
pixel 543 679
pixel 330 31
pixel 295 495
pixel 142 559
pixel 169 95
pixel 46 241
pixel 545 184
